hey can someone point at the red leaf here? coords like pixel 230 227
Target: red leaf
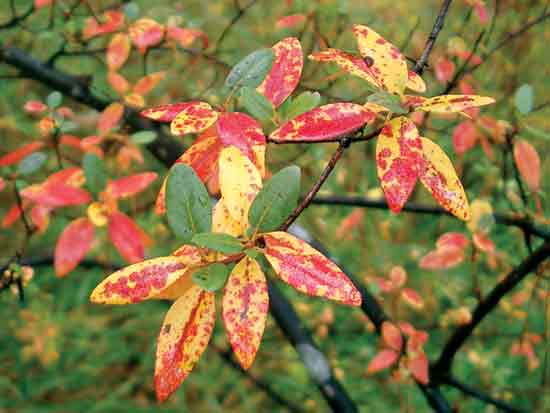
pixel 34 107
pixel 167 113
pixel 382 360
pixel 185 36
pixel 13 214
pixel 127 237
pixel 452 239
pixel 183 337
pixel 419 367
pixel 56 195
pixel 203 155
pixel 444 70
pixel 130 185
pixel 110 117
pixel 290 21
pixel 40 217
pixel 109 22
pixel 442 258
pixel 398 276
pixel 307 270
pixel 145 33
pixel 148 83
pixel 464 137
pixel 118 51
pixel 20 153
pixel 528 163
pixel 483 242
pixel 412 298
pixel 73 244
pixel 285 71
pixel 324 123
pixel 392 336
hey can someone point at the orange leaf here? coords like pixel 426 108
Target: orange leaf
pixel 20 153
pixel 324 123
pixel 285 72
pixel 109 22
pixel 141 281
pixel 440 178
pixel 193 118
pixel 392 336
pixel 382 360
pixel 483 242
pixel 398 160
pixel 183 337
pixel 528 163
pixel 110 117
pixel 40 217
pixel 130 185
pixel 127 237
pixel 118 83
pixel 145 33
pixel 412 298
pixel 245 305
pixel 398 276
pixel 118 51
pixel 13 214
pixel 307 270
pixel 72 245
pixel 148 83
pixel 419 367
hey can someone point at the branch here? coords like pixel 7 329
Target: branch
pixel 461 334
pixel 438 25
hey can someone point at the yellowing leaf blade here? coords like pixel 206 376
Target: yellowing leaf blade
pixel 453 103
pixel 194 118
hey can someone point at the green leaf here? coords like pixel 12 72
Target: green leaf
pixel 275 201
pixel 301 104
pixel 131 10
pixel 94 170
pixel 54 99
pixel 31 163
pixel 256 104
pixel 143 137
pixel 524 99
pixel 252 253
pixel 188 206
pixel 211 278
pixel 388 100
pixel 250 71
pixel 216 241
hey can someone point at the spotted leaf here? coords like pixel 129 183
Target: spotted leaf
pixel 307 270
pixel 453 103
pixel 415 82
pixel 183 337
pixel 73 244
pixel 440 178
pixel 193 118
pixel 324 123
pixel 349 63
pixel 285 72
pixel 223 222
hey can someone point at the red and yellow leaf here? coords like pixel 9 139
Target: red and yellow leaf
pixel 110 117
pixel 392 336
pixel 412 298
pixel 14 157
pixel 148 83
pixel 186 36
pixel 72 245
pixel 398 160
pixel 440 178
pixel 223 222
pixel 183 337
pixel 40 217
pixel 193 118
pixel 146 33
pixel 118 51
pixel 382 360
pixel 240 182
pixel 483 243
pixel 325 122
pixel 167 113
pixel 349 63
pixel 528 164
pixel 453 103
pixel 109 22
pixel 307 270
pixel 415 82
pixel 56 195
pixel 130 185
pixel 285 72
pixel 127 237
pixel 384 59
pixel 245 305
pixel 141 281
pixel 13 214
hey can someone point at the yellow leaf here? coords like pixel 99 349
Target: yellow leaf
pixel 453 103
pixel 224 223
pixel 415 82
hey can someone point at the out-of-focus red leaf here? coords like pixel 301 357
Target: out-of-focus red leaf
pixel 145 33
pixel 2 184
pixel 118 83
pixel 130 185
pixel 528 163
pixel 42 3
pixel 483 242
pixel 118 51
pixel 56 195
pixel 351 222
pixel 65 111
pixel 186 36
pixel 290 21
pixel 126 236
pixel 392 336
pixel 110 117
pixel 452 239
pixel 464 137
pixel 72 245
pixel 442 258
pixel 148 83
pixel 285 72
pixel 307 270
pixel 398 276
pixel 412 298
pixel 419 367
pixel 34 107
pixel 444 70
pixel 109 22
pixel 40 217
pixel 70 140
pixel 325 122
pixel 13 214
pixel 382 360
pixel 20 153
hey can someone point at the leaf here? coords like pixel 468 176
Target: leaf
pixel 145 33
pixel 118 83
pixel 251 70
pixel 224 223
pixel 307 270
pixel 382 360
pixel 444 70
pixel 464 137
pixel 256 104
pixel 108 22
pixel 290 21
pixel 185 36
pixel 94 170
pixel 203 155
pixel 398 161
pixel 127 237
pixel 324 123
pixel 415 82
pixel 453 103
pixel 183 337
pixel 167 113
pixel 483 217
pixel 140 281
pixel 528 163
pixel 72 245
pixel 524 99
pixel 212 277
pixel 304 102
pixel 143 137
pixel 442 258
pixel 388 101
pixel 412 298
pixel 148 83
pixel 384 60
pixel 56 195
pixel 419 367
pixel 31 163
pixel 54 99
pixel 240 182
pixel 392 336
pixel 193 118
pixel 285 71
pixel 110 117
pixel 275 202
pixel 217 241
pixel 22 152
pixel 130 185
pixel 187 203
pixel 244 309
pixel 118 51
pixel 440 178
pixel 34 107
